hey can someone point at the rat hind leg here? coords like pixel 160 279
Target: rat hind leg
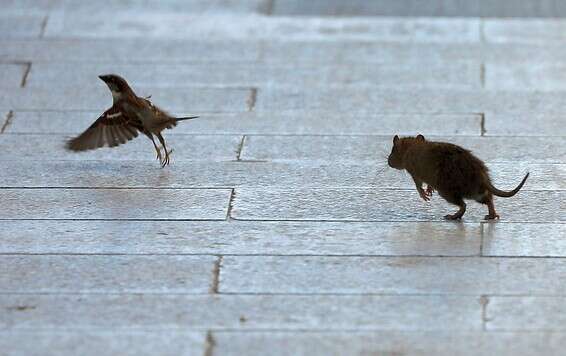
pixel 456 201
pixel 488 200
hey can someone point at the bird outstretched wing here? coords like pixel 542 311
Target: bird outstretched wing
pixel 112 128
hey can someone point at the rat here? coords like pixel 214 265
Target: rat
pixel 454 172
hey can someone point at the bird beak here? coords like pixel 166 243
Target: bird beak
pixel 104 78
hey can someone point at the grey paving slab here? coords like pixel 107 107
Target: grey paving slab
pixel 129 50
pixel 348 52
pixel 489 8
pixel 21 26
pixel 186 312
pixel 37 147
pixel 238 238
pixel 528 124
pixel 408 53
pixel 524 30
pixel 12 75
pixel 388 343
pixel 537 240
pixel 525 76
pixel 94 343
pixel 374 148
pixel 113 172
pixel 289 122
pixel 204 7
pixel 130 24
pixel 526 313
pixel 99 98
pixel 169 204
pixel 392 275
pixel 106 274
pixel 412 101
pixel 17 7
pixel 385 205
pixel 463 75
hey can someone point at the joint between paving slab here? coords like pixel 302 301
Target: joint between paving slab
pixel 7 121
pixel 482 30
pixel 482 75
pixel 484 301
pixel 231 204
pixel 252 99
pixel 482 124
pixel 481 238
pixel 43 26
pixel 240 148
pixel 26 74
pixel 216 275
pixel 267 8
pixel 210 342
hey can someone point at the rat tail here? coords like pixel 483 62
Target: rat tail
pixel 502 193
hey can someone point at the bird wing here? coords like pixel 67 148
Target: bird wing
pixel 114 127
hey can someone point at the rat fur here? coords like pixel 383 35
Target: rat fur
pixel 449 169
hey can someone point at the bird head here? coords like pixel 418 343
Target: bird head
pixel 116 84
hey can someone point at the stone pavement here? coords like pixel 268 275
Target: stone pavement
pixel 278 228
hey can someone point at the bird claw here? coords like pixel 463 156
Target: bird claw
pixel 429 190
pixel 166 160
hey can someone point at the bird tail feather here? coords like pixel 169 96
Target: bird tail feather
pixel 185 118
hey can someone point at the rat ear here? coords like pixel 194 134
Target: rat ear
pixel 395 139
pixel 420 137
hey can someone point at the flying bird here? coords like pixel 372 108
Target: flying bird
pixel 129 115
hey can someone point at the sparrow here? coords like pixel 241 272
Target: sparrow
pixel 121 123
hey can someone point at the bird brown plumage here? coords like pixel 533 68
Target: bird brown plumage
pixel 128 116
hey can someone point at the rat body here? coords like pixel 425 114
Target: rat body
pixel 449 169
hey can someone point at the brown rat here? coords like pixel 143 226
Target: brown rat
pixel 449 169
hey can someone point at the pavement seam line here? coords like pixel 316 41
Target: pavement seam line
pixel 240 148
pixel 481 238
pixel 216 275
pixel 482 124
pixel 251 101
pixel 484 301
pixel 269 5
pixel 231 204
pixel 210 342
pixel 482 75
pixel 43 26
pixel 26 74
pixel 482 30
pixel 7 121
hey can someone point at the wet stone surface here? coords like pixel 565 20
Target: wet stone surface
pixel 278 228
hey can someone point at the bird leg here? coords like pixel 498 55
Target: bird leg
pixel 157 149
pixel 166 160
